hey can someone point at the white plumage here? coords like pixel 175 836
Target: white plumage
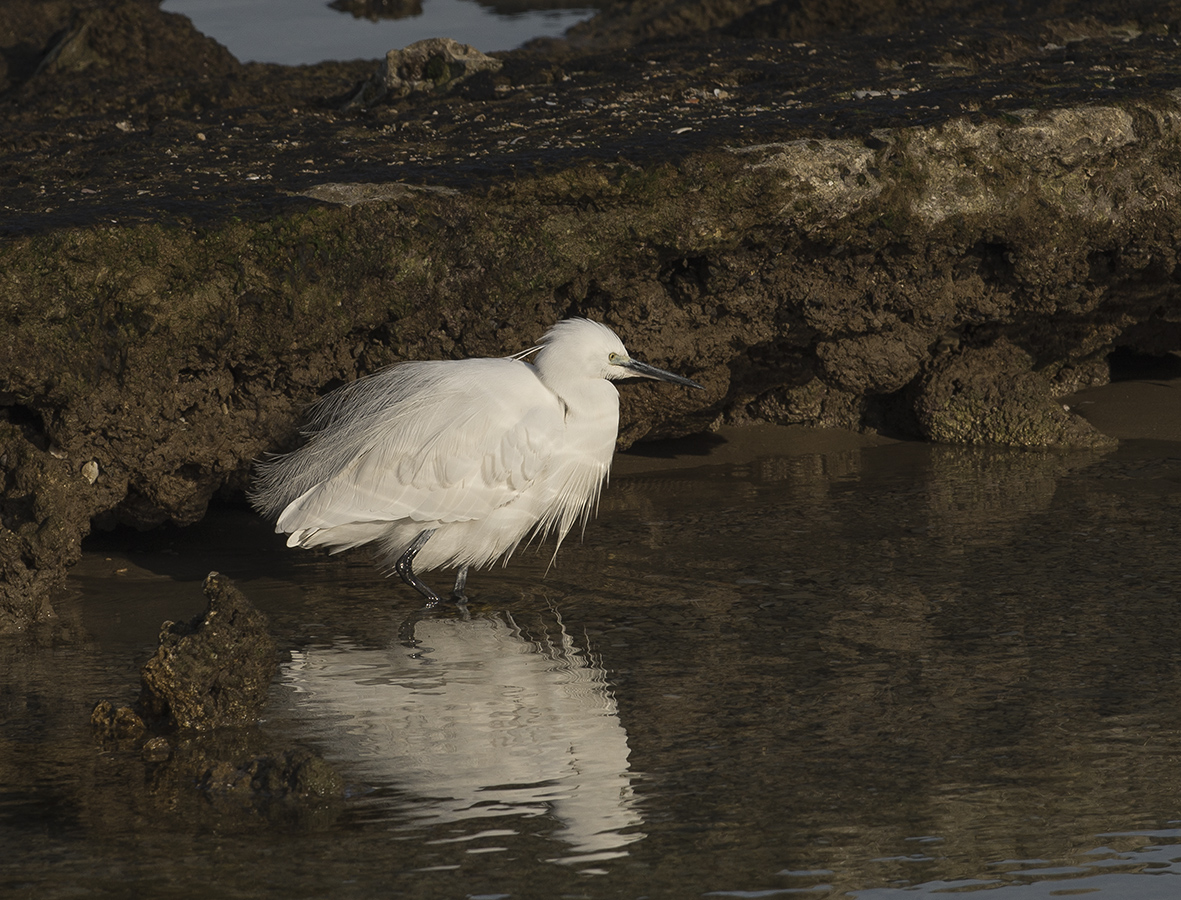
pixel 454 463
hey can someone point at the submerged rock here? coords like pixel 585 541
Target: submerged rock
pixel 193 727
pixel 290 773
pixel 214 671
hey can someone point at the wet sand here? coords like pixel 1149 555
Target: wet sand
pixel 1131 410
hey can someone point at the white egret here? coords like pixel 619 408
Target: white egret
pixel 453 463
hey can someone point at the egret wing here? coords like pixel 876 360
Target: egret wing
pixel 459 446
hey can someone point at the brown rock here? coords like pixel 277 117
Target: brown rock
pixel 991 395
pixel 214 671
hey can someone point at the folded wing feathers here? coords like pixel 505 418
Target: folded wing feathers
pixel 381 451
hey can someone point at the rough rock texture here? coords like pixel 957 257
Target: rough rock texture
pixel 214 671
pixel 287 774
pixel 114 725
pixel 435 65
pixel 992 395
pixel 927 218
pixel 228 774
pixel 192 729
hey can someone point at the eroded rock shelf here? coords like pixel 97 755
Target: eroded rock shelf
pixel 919 219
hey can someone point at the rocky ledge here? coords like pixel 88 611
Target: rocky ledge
pixel 930 219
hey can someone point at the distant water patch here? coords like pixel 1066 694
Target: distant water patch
pixel 296 32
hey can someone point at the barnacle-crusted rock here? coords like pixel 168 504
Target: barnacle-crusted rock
pixel 213 671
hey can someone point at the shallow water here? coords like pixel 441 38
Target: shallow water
pixel 296 32
pixel 804 666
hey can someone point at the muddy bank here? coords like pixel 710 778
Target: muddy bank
pixel 918 220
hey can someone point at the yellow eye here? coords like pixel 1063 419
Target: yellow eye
pixel 612 357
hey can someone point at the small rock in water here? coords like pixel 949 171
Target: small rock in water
pixel 213 671
pixel 113 724
pixel 374 10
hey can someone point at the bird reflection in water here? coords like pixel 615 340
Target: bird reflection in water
pixel 474 719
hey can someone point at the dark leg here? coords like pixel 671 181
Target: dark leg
pixel 405 568
pixel 457 593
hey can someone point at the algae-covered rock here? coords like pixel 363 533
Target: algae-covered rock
pixel 213 671
pixel 991 395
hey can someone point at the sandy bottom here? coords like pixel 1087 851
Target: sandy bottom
pixel 1147 409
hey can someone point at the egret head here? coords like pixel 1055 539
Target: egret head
pixel 580 348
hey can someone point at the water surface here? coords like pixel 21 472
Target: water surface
pixel 296 32
pixel 808 666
